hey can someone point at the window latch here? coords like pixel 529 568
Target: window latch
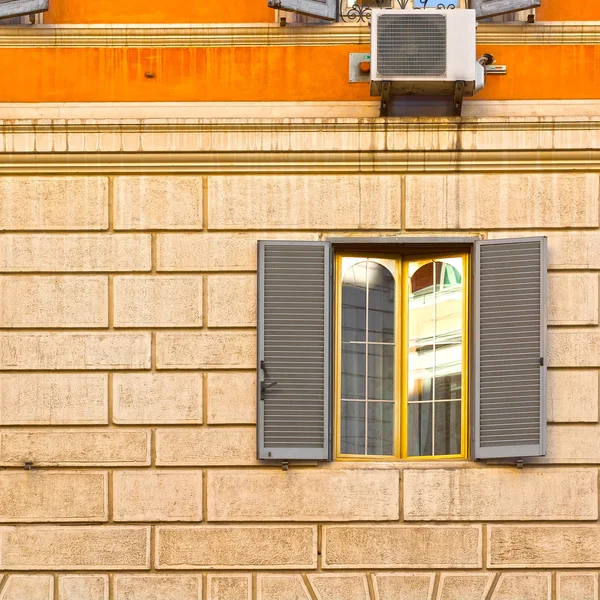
pixel 265 386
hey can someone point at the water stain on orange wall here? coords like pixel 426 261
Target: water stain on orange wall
pixel 264 74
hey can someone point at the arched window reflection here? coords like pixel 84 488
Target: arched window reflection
pixel 368 354
pixel 435 331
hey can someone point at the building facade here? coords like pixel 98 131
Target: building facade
pixel 146 149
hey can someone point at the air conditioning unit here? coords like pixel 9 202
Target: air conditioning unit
pixel 424 52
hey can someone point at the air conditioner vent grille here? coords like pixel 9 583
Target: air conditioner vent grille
pixel 411 45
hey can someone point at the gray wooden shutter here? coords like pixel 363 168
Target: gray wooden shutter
pixel 15 8
pixel 509 350
pixel 294 350
pixel 493 8
pixel 323 9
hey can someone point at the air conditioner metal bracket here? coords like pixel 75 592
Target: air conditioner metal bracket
pixel 386 88
pixel 459 94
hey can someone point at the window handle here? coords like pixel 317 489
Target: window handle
pixel 265 386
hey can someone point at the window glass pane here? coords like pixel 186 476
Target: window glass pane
pixel 353 427
pixel 381 428
pixel 353 371
pixel 435 352
pixel 420 430
pixel 381 304
pixel 447 427
pixel 381 372
pixel 368 361
pixel 354 303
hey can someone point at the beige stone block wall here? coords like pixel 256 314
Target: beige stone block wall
pixel 128 392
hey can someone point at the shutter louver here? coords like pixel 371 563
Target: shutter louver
pixel 322 9
pixel 509 348
pixel 294 350
pixel 16 8
pixel 494 8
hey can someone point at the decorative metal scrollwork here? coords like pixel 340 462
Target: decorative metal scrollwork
pixel 360 11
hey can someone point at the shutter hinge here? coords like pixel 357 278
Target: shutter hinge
pixel 284 465
pixel 541 361
pixel 520 463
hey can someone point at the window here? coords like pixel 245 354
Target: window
pixel 401 372
pixel 401 348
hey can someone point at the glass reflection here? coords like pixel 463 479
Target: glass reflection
pixel 435 355
pixel 368 355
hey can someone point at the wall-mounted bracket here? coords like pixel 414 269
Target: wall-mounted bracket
pixel 386 89
pixel 459 94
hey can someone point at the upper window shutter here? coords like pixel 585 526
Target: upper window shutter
pixel 493 8
pixel 14 8
pixel 323 9
pixel 294 350
pixel 509 349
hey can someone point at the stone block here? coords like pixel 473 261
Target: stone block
pixel 157 398
pixel 500 494
pixel 157 495
pixel 330 586
pixel 543 546
pixel 572 299
pixel 71 548
pixel 305 202
pixel 206 446
pixel 240 547
pixel 461 586
pixel 281 587
pixel 403 586
pixel 158 587
pixel 71 252
pixel 53 203
pixel 231 398
pixel 577 586
pixel 72 447
pixel 163 202
pixel 83 587
pixel 572 444
pixel 493 201
pixel 232 301
pixel 68 301
pixel 574 347
pixel 163 301
pixel 304 495
pixel 523 586
pixel 28 587
pixel 53 399
pixel 229 587
pixel 205 350
pixel 74 351
pixel 572 396
pixel 402 546
pixel 214 251
pixel 53 496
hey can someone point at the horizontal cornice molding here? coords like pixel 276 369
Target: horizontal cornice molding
pixel 177 36
pixel 333 136
pixel 284 163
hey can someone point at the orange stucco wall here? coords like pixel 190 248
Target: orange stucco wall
pixel 569 10
pixel 264 74
pixel 159 11
pixel 238 11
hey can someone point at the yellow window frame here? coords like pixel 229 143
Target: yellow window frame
pixel 401 361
